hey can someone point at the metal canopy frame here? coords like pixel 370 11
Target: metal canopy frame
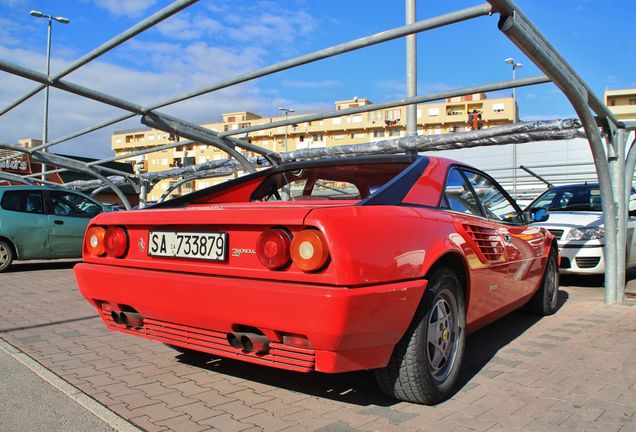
pixel 607 136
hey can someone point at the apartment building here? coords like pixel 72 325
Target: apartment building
pixel 622 103
pixel 456 114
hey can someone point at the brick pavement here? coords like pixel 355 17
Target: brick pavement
pixel 574 371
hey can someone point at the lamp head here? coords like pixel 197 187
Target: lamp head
pixel 37 14
pixel 510 60
pixel 62 20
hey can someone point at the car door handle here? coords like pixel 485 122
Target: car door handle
pixel 58 222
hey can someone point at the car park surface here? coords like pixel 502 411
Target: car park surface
pixel 40 222
pixel 572 371
pixel 332 265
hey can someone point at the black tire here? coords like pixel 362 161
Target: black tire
pixel 415 373
pixel 6 255
pixel 545 300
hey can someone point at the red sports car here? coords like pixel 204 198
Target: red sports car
pixel 378 262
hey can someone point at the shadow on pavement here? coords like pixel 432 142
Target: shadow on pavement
pixel 360 388
pixel 484 344
pixel 22 266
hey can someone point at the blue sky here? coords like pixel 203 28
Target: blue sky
pixel 214 40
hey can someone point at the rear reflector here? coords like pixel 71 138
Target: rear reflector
pixel 94 241
pixel 272 248
pixel 296 340
pixel 116 242
pixel 309 250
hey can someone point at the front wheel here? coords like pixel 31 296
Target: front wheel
pixel 425 363
pixel 6 255
pixel 544 301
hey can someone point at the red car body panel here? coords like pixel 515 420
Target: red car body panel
pixel 352 312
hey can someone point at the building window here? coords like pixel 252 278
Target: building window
pixel 356 118
pixel 632 101
pixel 151 137
pixel 433 112
pixel 118 141
pixel 378 134
pixel 394 133
pixel 336 120
pixel 498 107
pixel 319 137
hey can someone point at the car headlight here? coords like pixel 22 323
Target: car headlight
pixel 586 234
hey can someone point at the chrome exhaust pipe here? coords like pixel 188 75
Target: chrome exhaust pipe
pixel 116 316
pixel 248 342
pixel 132 319
pixel 235 340
pixel 252 342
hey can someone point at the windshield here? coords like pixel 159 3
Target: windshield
pixel 575 198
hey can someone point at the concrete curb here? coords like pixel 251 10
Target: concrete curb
pixel 100 411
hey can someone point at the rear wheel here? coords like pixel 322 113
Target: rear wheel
pixel 544 301
pixel 6 255
pixel 425 363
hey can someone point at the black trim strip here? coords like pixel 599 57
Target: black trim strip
pixel 394 191
pixel 571 246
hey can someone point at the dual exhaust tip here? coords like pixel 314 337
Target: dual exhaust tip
pixel 129 319
pixel 249 342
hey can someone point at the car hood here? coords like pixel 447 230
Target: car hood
pixel 573 219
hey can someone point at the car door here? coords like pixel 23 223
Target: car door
pixel 483 246
pixel 523 244
pixel 25 223
pixel 68 215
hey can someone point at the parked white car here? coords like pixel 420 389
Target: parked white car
pixel 576 220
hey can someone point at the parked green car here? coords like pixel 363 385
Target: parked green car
pixel 40 222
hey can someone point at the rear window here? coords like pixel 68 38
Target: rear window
pixel 342 182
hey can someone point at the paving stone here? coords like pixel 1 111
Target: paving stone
pixel 505 362
pixel 393 416
pixel 226 423
pixel 183 424
pixel 337 427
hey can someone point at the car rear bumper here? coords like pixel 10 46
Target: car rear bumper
pixel 348 328
pixel 586 259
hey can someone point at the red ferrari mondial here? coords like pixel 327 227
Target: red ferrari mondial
pixel 378 262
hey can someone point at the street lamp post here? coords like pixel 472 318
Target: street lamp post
pixel 515 66
pixel 45 126
pixel 287 111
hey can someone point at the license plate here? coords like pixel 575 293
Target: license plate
pixel 198 245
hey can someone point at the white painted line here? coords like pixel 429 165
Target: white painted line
pixel 111 418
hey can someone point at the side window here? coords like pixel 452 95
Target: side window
pixel 70 204
pixel 458 196
pixel 495 203
pixel 23 201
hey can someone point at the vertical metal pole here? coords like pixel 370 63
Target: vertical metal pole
pixel 143 194
pixel 612 227
pixel 286 126
pixel 45 126
pixel 618 183
pixel 514 146
pixel 411 71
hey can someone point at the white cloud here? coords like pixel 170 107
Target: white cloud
pixel 130 8
pixel 312 84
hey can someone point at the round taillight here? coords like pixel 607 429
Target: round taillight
pixel 309 250
pixel 94 241
pixel 272 248
pixel 116 242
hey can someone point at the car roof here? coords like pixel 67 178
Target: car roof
pixel 42 188
pixel 576 185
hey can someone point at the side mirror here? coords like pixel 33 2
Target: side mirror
pixel 539 214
